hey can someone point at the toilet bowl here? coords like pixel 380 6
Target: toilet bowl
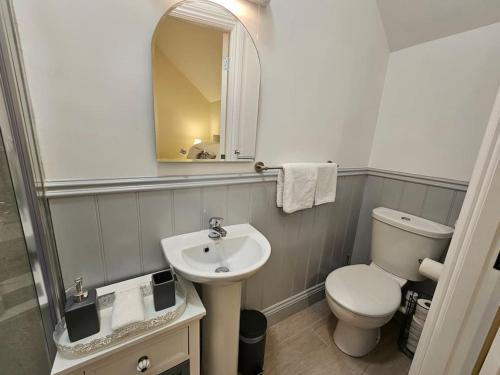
pixel 363 297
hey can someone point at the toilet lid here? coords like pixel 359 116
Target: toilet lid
pixel 364 290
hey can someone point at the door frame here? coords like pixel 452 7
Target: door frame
pixel 26 171
pixel 467 294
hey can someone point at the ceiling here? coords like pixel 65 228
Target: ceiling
pixel 410 22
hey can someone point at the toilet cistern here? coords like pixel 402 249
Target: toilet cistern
pixel 215 231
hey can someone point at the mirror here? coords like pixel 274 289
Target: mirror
pixel 206 81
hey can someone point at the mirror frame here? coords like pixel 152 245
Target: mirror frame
pixel 221 24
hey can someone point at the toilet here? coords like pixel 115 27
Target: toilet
pixel 365 297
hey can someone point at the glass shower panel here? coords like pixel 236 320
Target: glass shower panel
pixel 22 340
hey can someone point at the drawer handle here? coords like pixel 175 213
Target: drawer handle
pixel 143 364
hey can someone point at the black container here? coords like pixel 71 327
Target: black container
pixel 163 284
pixel 253 326
pixel 181 369
pixel 82 318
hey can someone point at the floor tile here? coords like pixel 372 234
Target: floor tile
pixel 303 344
pixel 296 324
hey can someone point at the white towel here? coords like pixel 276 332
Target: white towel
pixel 326 186
pixel 296 186
pixel 128 308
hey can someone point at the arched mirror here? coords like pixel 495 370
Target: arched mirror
pixel 206 80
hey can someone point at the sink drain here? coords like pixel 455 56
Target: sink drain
pixel 221 269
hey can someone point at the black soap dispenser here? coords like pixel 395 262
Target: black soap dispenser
pixel 81 313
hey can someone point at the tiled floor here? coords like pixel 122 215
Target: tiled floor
pixel 303 344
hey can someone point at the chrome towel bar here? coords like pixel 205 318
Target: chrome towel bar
pixel 260 167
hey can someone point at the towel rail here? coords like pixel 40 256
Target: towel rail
pixel 261 167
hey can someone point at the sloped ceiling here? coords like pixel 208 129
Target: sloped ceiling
pixel 196 51
pixel 410 22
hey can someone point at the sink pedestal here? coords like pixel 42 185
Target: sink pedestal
pixel 219 266
pixel 220 328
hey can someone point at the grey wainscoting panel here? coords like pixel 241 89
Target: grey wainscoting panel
pixel 268 219
pixel 328 248
pixel 320 228
pixel 259 219
pixel 371 199
pixel 330 259
pixel 291 251
pixel 214 203
pixel 187 210
pixel 119 220
pixel 124 230
pixel 342 222
pixel 438 204
pixel 455 209
pixel 354 212
pixel 76 230
pixel 108 237
pixel 303 243
pixel 304 246
pixel 155 214
pixel 391 193
pixel 413 198
pixel 238 204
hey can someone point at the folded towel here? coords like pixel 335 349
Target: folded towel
pixel 296 186
pixel 326 186
pixel 128 308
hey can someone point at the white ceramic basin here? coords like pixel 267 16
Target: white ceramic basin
pixel 219 265
pixel 230 259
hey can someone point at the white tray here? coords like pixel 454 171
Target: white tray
pixel 106 337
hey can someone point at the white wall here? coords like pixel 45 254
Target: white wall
pixel 89 76
pixel 436 102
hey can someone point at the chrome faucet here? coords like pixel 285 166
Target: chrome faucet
pixel 215 231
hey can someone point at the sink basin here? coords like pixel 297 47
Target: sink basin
pixel 230 259
pixel 220 266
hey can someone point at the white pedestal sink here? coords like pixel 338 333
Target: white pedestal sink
pixel 220 265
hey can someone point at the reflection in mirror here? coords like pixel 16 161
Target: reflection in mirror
pixel 206 80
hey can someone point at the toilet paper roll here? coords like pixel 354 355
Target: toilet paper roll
pixel 431 269
pixel 421 316
pixel 412 341
pixel 424 303
pixel 416 324
pixel 415 332
pixel 412 347
pixel 413 336
pixel 422 309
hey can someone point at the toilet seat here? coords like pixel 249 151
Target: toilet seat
pixel 364 290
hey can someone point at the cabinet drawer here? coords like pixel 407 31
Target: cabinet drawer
pixel 162 352
pixel 180 369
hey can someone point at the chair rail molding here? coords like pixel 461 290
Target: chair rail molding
pixel 421 179
pixel 55 188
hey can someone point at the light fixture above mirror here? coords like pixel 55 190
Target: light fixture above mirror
pixel 206 83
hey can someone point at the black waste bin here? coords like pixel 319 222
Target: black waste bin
pixel 253 325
